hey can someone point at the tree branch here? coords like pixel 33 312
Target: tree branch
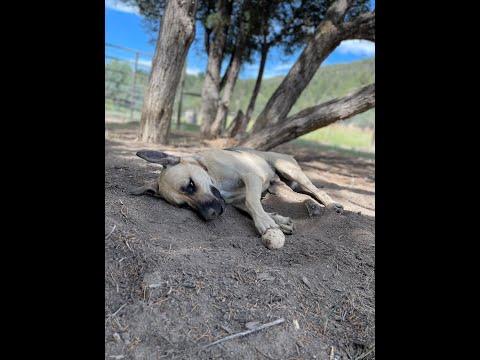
pixel 313 118
pixel 327 37
pixel 336 12
pixel 363 27
pixel 225 76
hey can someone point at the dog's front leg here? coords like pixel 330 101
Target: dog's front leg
pixel 253 188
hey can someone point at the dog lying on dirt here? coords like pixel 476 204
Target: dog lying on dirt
pixel 209 180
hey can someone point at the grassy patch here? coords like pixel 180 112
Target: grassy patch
pixel 341 150
pixel 340 135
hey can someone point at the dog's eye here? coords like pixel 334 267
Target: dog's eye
pixel 190 188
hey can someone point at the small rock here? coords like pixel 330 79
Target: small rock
pixel 117 337
pixel 265 276
pixel 273 239
pixel 153 286
pixel 295 324
pixel 306 282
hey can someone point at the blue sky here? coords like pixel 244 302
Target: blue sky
pixel 123 26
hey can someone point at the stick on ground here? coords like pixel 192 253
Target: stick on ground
pixel 111 232
pixel 116 312
pixel 243 333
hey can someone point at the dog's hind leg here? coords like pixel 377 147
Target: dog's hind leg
pixel 279 188
pixel 288 168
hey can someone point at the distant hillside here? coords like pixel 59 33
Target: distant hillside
pixel 329 82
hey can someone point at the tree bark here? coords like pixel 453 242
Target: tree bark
pixel 362 28
pixel 256 89
pixel 232 76
pixel 210 89
pixel 180 94
pixel 176 34
pixel 313 118
pixel 236 125
pixel 326 38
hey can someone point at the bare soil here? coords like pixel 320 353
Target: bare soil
pixel 174 283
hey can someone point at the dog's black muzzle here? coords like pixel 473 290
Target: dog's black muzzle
pixel 212 208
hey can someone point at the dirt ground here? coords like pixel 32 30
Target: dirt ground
pixel 174 283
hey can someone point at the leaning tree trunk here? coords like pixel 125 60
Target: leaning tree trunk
pixel 326 38
pixel 176 35
pixel 256 90
pixel 211 84
pixel 232 76
pixel 234 128
pixel 313 118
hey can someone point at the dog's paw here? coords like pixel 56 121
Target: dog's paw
pixel 336 207
pixel 285 223
pixel 287 229
pixel 265 223
pixel 314 208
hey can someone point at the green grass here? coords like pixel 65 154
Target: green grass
pixel 339 135
pixel 125 125
pixel 341 150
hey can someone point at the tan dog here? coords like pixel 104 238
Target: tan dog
pixel 209 180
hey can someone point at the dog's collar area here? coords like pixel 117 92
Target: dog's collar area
pixel 201 164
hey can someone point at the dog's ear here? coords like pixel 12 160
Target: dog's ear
pixel 158 157
pixel 150 189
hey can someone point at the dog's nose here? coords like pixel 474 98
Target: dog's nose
pixel 211 213
pixel 208 213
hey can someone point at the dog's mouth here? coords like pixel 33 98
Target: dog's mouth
pixel 211 209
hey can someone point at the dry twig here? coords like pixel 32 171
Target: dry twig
pixel 243 333
pixel 111 232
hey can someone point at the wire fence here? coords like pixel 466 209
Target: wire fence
pixel 126 77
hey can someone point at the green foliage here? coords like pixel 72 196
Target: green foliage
pixel 329 82
pixel 340 135
pixel 119 92
pixel 118 77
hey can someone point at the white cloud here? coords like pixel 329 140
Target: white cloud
pixel 283 66
pixel 193 71
pixel 357 47
pixel 144 62
pixel 120 6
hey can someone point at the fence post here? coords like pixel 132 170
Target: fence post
pixel 132 95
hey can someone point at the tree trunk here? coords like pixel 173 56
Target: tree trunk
pixel 236 125
pixel 313 118
pixel 180 93
pixel 176 34
pixel 326 38
pixel 232 76
pixel 210 89
pixel 256 89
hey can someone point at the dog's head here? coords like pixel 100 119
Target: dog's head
pixel 183 183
